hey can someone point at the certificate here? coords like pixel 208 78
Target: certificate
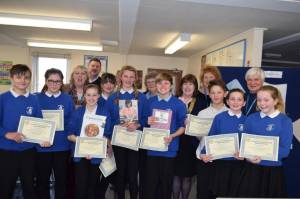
pixel 55 115
pixel 108 166
pixel 123 138
pixel 163 119
pixel 198 126
pixel 222 146
pixel 265 147
pixel 93 126
pixel 36 130
pixel 153 139
pixel 93 147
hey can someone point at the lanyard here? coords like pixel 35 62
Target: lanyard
pixel 248 109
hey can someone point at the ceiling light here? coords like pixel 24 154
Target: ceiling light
pixel 45 22
pixel 293 1
pixel 73 46
pixel 178 43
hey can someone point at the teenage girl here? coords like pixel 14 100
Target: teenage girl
pixel 265 179
pixel 127 160
pixel 55 157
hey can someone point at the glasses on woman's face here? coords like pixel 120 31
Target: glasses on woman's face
pixel 54 82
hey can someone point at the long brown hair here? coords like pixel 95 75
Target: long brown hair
pixel 53 71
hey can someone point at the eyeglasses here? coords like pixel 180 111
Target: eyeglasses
pixel 54 82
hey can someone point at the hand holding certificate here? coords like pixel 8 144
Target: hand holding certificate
pixel 221 146
pixel 265 147
pixel 123 138
pixel 55 115
pixel 153 139
pixel 37 130
pixel 197 126
pixel 90 147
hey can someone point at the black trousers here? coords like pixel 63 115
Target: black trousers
pixel 159 177
pixel 46 162
pixel 127 162
pixel 14 164
pixel 205 176
pixel 102 185
pixel 86 176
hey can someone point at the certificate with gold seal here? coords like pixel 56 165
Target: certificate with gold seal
pixel 127 139
pixel 222 146
pixel 89 146
pixel 153 139
pixel 37 130
pixel 265 147
pixel 55 115
pixel 197 126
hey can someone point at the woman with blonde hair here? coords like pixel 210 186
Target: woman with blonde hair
pixel 79 78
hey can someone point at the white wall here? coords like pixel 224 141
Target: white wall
pixel 115 60
pixel 254 39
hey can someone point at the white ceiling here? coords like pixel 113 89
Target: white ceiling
pixel 148 26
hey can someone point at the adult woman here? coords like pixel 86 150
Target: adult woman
pixel 207 74
pixel 79 78
pixel 150 84
pixel 255 78
pixel 186 160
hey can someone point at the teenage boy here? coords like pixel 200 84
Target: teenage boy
pixel 160 165
pixel 17 158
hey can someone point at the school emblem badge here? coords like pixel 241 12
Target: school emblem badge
pixel 270 127
pixel 29 110
pixel 60 107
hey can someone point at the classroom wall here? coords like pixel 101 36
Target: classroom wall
pixel 115 60
pixel 254 39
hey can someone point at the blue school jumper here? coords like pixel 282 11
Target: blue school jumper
pixel 276 124
pixel 12 107
pixel 63 102
pixel 178 117
pixel 227 123
pixel 74 127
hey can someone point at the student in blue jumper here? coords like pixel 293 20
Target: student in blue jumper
pixel 54 157
pixel 205 172
pixel 185 167
pixel 17 157
pixel 108 84
pixel 228 170
pixel 160 165
pixel 265 179
pixel 126 159
pixel 87 170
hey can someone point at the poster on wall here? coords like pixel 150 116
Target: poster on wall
pixel 5 66
pixel 103 60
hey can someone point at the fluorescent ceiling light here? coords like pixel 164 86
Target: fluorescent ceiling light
pixel 46 44
pixel 178 43
pixel 45 22
pixel 292 1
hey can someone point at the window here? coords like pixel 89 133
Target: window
pixel 45 63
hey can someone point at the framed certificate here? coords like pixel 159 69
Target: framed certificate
pixel 198 126
pixel 108 166
pixel 153 139
pixel 93 126
pixel 123 138
pixel 265 147
pixel 163 119
pixel 55 115
pixel 93 147
pixel 37 130
pixel 222 146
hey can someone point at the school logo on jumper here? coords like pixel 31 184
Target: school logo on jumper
pixel 29 110
pixel 241 127
pixel 270 127
pixel 60 107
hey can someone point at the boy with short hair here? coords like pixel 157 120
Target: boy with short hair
pixel 17 158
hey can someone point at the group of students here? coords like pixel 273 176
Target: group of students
pixel 161 174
